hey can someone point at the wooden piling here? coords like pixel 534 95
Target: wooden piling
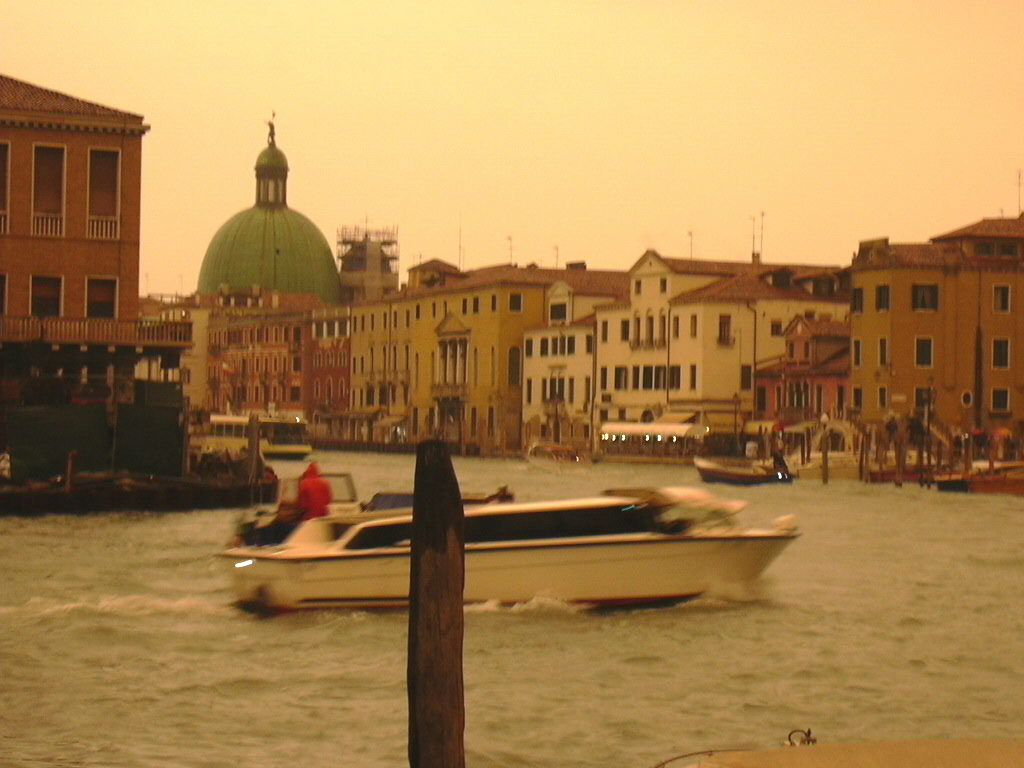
pixel 436 579
pixel 824 456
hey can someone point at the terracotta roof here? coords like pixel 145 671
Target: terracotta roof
pixel 723 268
pixel 588 320
pixel 20 97
pixel 438 265
pixel 819 327
pixel 1009 228
pixel 744 288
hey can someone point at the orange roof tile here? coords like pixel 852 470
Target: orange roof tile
pixel 18 96
pixel 1008 228
pixel 744 288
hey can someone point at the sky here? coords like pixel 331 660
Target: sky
pixel 544 130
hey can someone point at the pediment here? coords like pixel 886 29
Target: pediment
pixel 451 325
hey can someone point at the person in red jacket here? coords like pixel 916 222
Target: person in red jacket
pixel 314 493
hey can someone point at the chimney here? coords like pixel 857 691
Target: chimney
pixel 576 265
pixel 755 257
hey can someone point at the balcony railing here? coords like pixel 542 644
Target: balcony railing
pixel 95 330
pixel 48 225
pixel 104 227
pixel 647 343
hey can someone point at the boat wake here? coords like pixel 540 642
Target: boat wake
pixel 125 605
pixel 534 605
pixel 754 591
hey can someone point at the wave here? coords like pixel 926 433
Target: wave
pixel 123 605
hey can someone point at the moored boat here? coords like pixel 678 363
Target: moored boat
pixel 740 471
pixel 280 436
pixel 625 548
pixel 997 481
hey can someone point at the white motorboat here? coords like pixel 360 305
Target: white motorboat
pixel 626 548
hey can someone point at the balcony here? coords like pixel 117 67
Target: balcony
pixel 647 343
pixel 96 330
pixel 48 225
pixel 103 227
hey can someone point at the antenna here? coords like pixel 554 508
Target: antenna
pixel 753 234
pixel 556 257
pixel 690 233
pixel 761 249
pixel 509 238
pixel 1020 180
pixel 460 242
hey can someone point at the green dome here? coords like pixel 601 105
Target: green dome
pixel 275 248
pixel 272 157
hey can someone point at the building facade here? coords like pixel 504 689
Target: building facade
pixel 935 328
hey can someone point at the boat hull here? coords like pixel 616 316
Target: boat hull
pixel 647 570
pixel 716 472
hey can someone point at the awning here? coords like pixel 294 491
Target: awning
pixel 633 429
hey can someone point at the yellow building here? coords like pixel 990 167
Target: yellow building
pixel 934 327
pixel 444 356
pixel 686 345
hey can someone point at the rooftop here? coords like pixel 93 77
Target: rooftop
pixel 20 100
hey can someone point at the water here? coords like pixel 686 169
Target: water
pixel 896 615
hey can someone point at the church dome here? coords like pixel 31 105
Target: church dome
pixel 270 245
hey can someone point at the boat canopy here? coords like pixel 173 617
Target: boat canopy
pixel 633 428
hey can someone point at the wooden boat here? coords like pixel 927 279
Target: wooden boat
pixel 997 481
pixel 627 548
pixel 739 472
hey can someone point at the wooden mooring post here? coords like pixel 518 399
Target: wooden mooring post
pixel 437 715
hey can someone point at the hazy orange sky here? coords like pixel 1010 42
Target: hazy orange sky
pixel 602 128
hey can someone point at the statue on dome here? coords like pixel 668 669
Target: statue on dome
pixel 270 134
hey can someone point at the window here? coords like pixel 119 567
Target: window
pixel 924 296
pixel 857 300
pixel 923 352
pixel 693 375
pixel 1000 353
pixel 1007 249
pixel 675 327
pixel 636 377
pixel 604 331
pixel 476 308
pixel 855 353
pixel 1001 399
pixel 881 297
pixel 3 294
pixel 529 347
pixel 922 398
pixel 746 377
pixel 776 327
pixel 693 326
pixel 648 377
pixel 604 377
pixel 1001 298
pixel 529 391
pixel 297 363
pixel 621 377
pixel 624 330
pixel 294 394
pixel 103 193
pixel 515 302
pixel 725 329
pixel 674 377
pixel 883 351
pixel 465 306
pixel 883 397
pixel 558 311
pixel 48 192
pixel 417 311
pixel 514 366
pixel 544 346
pixel 663 285
pixel 590 344
pixel 636 287
pixel 101 297
pixel 494 302
pixel 858 398
pixel 46 296
pixel 5 150
pixel 570 345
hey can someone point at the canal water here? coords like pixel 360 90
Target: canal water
pixel 898 614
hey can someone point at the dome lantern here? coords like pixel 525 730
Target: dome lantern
pixel 271 174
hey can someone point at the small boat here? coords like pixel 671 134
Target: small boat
pixel 555 453
pixel 996 481
pixel 740 471
pixel 631 547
